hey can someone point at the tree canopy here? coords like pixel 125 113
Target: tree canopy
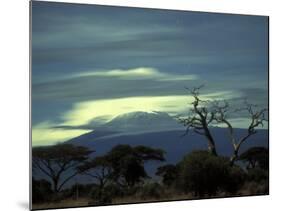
pixel 123 164
pixel 54 161
pixel 256 157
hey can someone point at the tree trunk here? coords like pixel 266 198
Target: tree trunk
pixel 213 150
pixel 211 142
pixel 56 184
pixel 234 157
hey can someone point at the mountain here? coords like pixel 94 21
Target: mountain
pixel 159 130
pixel 173 142
pixel 139 122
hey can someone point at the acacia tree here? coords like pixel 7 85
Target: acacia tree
pixel 128 163
pixel 59 162
pixel 99 169
pixel 205 113
pixel 256 116
pixel 256 157
pixel 200 118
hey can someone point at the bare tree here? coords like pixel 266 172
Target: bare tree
pixel 205 113
pixel 200 118
pixel 59 162
pixel 257 118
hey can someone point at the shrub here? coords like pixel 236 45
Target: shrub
pixel 254 188
pixel 169 174
pixel 150 191
pixel 234 180
pixel 106 194
pixel 257 175
pixel 41 191
pixel 77 190
pixel 202 173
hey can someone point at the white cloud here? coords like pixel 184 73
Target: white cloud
pixel 140 73
pixel 84 112
pixel 242 123
pixel 45 134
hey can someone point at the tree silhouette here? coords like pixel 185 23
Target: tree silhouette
pixel 169 173
pixel 205 113
pixel 128 163
pixel 257 118
pixel 99 169
pixel 256 157
pixel 59 162
pixel 200 118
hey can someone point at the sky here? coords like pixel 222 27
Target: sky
pixel 92 63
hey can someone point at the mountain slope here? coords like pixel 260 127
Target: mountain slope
pixel 160 130
pixel 173 142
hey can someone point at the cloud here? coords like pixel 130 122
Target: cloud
pixel 84 112
pixel 44 133
pixel 140 73
pixel 115 83
pixel 242 122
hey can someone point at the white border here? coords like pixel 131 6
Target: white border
pixel 14 104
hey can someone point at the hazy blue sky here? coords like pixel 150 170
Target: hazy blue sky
pixel 92 61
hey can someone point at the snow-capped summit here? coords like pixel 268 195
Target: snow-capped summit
pixel 140 121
